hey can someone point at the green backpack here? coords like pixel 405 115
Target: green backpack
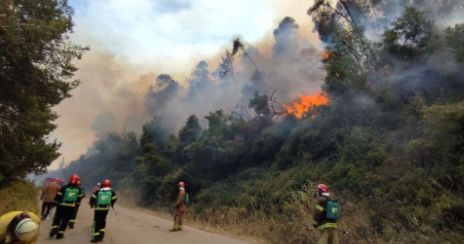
pixel 187 199
pixel 104 198
pixel 70 195
pixel 332 210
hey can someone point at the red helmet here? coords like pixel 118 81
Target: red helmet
pixel 322 188
pixel 73 179
pixel 106 183
pixel 181 184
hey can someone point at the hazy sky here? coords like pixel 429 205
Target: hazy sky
pixel 132 41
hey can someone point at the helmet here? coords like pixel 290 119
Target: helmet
pixel 106 183
pixel 181 184
pixel 26 230
pixel 73 179
pixel 322 188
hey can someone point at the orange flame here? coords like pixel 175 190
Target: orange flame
pixel 325 55
pixel 305 103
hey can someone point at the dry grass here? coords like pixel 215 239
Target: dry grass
pixel 20 195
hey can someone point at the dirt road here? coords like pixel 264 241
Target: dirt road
pixel 131 226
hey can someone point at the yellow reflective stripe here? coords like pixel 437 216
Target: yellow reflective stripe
pixel 114 197
pixel 55 226
pixel 102 230
pixel 319 207
pixel 59 193
pixel 68 204
pixel 93 229
pixel 327 225
pixel 100 208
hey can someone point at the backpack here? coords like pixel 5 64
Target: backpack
pixel 332 210
pixel 70 195
pixel 104 198
pixel 187 199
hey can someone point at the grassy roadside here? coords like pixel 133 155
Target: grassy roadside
pixel 19 195
pixel 127 199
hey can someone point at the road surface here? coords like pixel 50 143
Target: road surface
pixel 132 226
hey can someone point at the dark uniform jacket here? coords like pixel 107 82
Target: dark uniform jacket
pixel 320 214
pixel 94 203
pixel 59 199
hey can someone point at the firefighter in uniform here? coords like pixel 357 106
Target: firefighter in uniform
pixel 72 222
pixel 180 207
pixel 19 227
pixel 101 200
pixel 326 214
pixel 66 200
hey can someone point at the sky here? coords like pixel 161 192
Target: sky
pixel 133 41
pixel 169 34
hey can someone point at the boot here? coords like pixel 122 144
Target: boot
pixel 175 228
pixel 53 232
pixel 60 235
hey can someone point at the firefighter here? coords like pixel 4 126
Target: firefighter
pixel 96 187
pixel 19 227
pixel 180 207
pixel 49 191
pixel 326 214
pixel 72 221
pixel 101 200
pixel 66 199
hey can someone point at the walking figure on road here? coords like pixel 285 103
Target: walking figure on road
pixel 96 187
pixel 72 222
pixel 66 199
pixel 102 200
pixel 49 191
pixel 180 206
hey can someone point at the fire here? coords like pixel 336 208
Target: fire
pixel 305 103
pixel 325 55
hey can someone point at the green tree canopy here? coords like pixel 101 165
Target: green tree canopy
pixel 36 73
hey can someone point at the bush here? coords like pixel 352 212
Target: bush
pixel 19 195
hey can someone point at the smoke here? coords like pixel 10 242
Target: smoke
pixel 104 123
pixel 373 17
pixel 109 86
pixel 285 36
pixel 292 67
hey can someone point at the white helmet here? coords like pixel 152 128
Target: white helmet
pixel 26 230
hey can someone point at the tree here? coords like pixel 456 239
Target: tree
pixel 36 73
pixel 260 105
pixel 199 80
pixel 455 38
pixel 191 131
pixel 410 36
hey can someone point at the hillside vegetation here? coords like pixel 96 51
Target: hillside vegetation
pixel 20 195
pixel 390 145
